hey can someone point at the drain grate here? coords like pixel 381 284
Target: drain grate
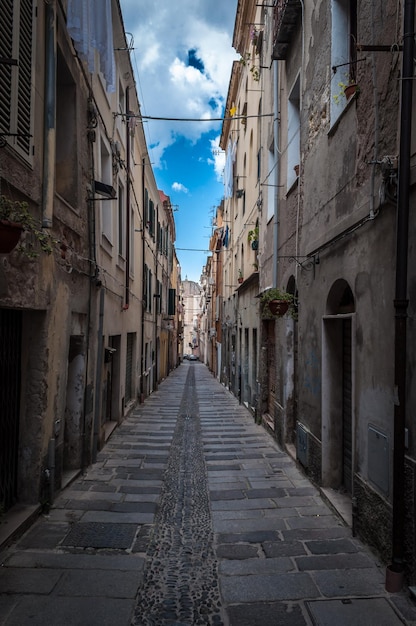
pixel 96 535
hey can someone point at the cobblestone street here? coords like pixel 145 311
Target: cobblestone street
pixel 193 515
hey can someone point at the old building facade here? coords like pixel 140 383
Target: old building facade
pixel 89 329
pixel 326 179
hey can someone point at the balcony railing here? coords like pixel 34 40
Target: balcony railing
pixel 285 20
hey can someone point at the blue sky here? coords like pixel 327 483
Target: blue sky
pixel 182 58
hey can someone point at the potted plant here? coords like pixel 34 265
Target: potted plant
pixel 276 302
pixel 348 89
pixel 15 218
pixel 240 276
pixel 253 238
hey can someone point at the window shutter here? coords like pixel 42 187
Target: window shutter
pixel 6 51
pixel 16 40
pixel 172 302
pixel 25 75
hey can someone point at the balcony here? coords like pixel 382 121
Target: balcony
pixel 285 20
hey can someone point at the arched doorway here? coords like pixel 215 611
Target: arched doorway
pixel 338 424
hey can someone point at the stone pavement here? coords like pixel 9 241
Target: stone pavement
pixel 193 515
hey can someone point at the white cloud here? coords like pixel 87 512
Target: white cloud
pixel 179 188
pixel 164 32
pixel 218 158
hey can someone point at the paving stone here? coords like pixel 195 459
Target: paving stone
pixel 238 505
pixel 28 580
pixel 283 548
pixel 264 588
pixel 332 546
pixel 252 566
pixel 85 611
pixel 267 614
pixel 245 525
pixel 107 517
pixel 98 583
pixel 101 535
pixel 234 494
pixel 44 535
pixel 337 531
pixel 333 561
pixel 236 551
pixel 271 492
pixel 353 582
pixel 255 536
pixel 354 612
pixel 134 507
pixel 63 560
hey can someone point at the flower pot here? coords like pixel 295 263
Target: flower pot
pixel 255 245
pixel 296 168
pixel 350 90
pixel 240 279
pixel 9 236
pixel 278 307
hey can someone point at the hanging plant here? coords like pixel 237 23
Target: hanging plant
pixel 276 303
pixel 15 218
pixel 253 238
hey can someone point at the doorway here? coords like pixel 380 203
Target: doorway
pixel 338 427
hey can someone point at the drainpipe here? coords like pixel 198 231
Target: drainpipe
pixel 156 304
pixel 49 150
pixel 143 263
pixel 98 377
pixel 127 288
pixel 401 301
pixel 276 170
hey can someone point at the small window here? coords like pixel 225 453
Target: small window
pixel 106 174
pixel 293 132
pixel 343 52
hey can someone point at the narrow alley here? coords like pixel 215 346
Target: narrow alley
pixel 193 515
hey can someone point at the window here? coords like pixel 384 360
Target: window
pixel 271 171
pixel 16 41
pixel 172 302
pixel 121 220
pixel 343 52
pixel 293 133
pixel 158 298
pixel 132 231
pixel 147 289
pixel 106 176
pixel 151 218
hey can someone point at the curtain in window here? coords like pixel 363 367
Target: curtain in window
pixel 90 26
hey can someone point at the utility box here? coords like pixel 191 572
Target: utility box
pixel 378 459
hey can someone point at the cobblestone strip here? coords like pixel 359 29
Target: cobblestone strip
pixel 180 584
